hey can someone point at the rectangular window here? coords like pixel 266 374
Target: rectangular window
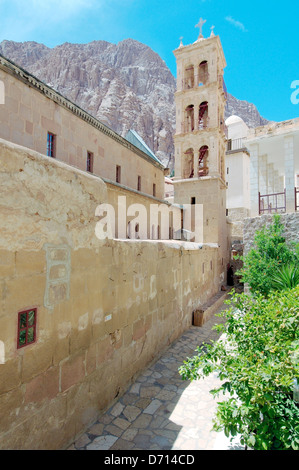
pixel 51 145
pixel 139 183
pixel 26 327
pixel 118 173
pixel 193 200
pixel 89 162
pixel 154 190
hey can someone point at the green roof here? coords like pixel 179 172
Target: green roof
pixel 136 140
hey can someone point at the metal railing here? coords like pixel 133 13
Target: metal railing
pixel 272 203
pixel 189 174
pixel 193 127
pixel 296 199
pixel 235 144
pixel 195 81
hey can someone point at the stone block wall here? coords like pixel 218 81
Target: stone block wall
pixel 105 308
pixel 31 110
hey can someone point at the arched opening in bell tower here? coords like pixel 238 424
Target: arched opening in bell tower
pixel 188 164
pixel 203 115
pixel 189 118
pixel 188 77
pixel 203 73
pixel 203 169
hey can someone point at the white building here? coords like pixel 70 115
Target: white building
pixel 237 169
pixel 262 168
pixel 274 167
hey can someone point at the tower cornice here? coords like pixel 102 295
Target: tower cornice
pixel 199 45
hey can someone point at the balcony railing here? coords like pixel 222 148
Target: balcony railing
pixel 200 126
pixel 235 144
pixel 195 81
pixel 272 203
pixel 189 174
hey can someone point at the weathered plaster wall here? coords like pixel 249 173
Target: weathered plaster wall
pixel 105 308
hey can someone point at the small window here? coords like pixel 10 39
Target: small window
pixel 118 174
pixel 154 190
pixel 193 200
pixel 26 327
pixel 139 183
pixel 89 162
pixel 51 145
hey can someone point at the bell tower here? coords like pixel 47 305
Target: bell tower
pixel 200 138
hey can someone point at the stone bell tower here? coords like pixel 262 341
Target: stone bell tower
pixel 200 138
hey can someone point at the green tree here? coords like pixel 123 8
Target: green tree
pixel 264 260
pixel 257 360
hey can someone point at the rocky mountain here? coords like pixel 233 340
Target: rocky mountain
pixel 125 85
pixel 247 111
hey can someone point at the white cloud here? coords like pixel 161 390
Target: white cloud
pixel 236 23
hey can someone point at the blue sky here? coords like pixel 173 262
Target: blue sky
pixel 260 38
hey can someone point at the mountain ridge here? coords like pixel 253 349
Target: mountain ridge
pixel 125 85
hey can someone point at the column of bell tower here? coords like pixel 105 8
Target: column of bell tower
pixel 200 138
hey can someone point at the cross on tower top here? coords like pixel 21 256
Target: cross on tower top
pixel 200 25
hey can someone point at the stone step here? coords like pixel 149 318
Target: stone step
pixel 201 315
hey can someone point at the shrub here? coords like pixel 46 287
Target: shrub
pixel 286 277
pixel 257 361
pixel 269 254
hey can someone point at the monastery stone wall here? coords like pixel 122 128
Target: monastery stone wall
pixel 28 114
pixel 105 308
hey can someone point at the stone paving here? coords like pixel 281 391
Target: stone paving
pixel 160 411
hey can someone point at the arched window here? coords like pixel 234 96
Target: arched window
pixel 188 164
pixel 203 169
pixel 189 118
pixel 189 77
pixel 203 74
pixel 203 115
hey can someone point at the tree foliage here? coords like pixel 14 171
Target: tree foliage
pixel 269 254
pixel 257 360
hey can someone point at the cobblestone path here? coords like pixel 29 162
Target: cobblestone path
pixel 160 411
